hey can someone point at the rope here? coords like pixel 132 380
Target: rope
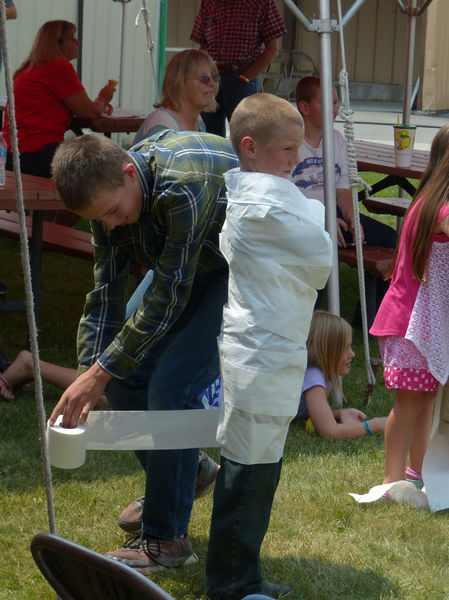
pixel 25 257
pixel 144 12
pixel 355 182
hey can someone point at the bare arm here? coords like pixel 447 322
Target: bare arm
pixel 324 419
pixel 443 226
pixel 344 203
pixel 262 62
pixel 81 397
pixel 81 105
pixel 11 11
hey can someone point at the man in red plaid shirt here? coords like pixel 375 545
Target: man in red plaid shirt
pixel 241 36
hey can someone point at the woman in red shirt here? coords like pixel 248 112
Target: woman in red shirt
pixel 47 93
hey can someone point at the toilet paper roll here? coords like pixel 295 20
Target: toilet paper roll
pixel 131 430
pixel 67 447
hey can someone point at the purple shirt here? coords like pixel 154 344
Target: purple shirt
pixel 312 377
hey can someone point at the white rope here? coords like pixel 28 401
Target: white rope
pixel 355 182
pixel 144 12
pixel 27 274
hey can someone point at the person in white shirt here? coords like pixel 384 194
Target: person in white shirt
pixel 308 173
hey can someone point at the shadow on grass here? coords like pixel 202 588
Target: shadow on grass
pixel 329 581
pixel 301 442
pixel 21 458
pixel 309 578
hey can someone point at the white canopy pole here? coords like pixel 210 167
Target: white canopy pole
pixel 325 28
pixel 410 59
pixel 412 10
pixel 122 46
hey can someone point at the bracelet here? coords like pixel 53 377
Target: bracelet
pixel 243 78
pixel 367 427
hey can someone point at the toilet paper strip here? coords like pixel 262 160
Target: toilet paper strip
pixel 131 430
pixel 151 430
pixel 435 469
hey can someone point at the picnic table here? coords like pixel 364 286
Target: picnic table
pixel 121 120
pixel 39 194
pixel 380 158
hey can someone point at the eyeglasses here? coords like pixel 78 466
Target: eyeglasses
pixel 70 39
pixel 204 79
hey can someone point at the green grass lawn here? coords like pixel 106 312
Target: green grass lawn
pixel 320 541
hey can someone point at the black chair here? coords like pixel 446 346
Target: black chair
pixel 77 573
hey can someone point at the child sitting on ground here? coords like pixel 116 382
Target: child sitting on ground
pixel 329 356
pixel 278 254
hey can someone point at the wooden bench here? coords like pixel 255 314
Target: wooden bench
pixel 58 238
pixel 377 262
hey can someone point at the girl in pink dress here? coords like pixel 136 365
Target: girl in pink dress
pixel 412 323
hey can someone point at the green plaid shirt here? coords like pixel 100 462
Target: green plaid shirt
pixel 183 210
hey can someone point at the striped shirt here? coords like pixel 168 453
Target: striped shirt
pixel 183 210
pixel 235 31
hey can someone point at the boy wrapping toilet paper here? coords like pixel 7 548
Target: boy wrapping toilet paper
pixel 131 430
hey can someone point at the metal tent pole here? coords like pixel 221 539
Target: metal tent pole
pixel 80 27
pixel 162 44
pixel 410 60
pixel 324 26
pixel 122 46
pixel 324 29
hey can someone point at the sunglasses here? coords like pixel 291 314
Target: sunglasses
pixel 205 78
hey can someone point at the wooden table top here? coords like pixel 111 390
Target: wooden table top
pixel 39 193
pixel 121 120
pixel 380 159
pixel 386 206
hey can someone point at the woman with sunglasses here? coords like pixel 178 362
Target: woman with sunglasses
pixel 190 86
pixel 47 93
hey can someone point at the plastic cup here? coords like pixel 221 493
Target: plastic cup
pixel 404 139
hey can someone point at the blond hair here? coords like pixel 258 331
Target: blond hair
pixel 326 342
pixel 84 167
pixel 260 117
pixel 47 43
pixel 178 70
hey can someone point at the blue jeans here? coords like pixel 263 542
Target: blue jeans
pixel 243 497
pixel 231 91
pixel 377 234
pixel 173 374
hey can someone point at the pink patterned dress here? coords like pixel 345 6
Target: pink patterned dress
pixel 412 323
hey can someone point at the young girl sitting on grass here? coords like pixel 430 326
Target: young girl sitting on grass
pixel 329 356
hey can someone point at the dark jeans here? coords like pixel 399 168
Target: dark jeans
pixel 172 376
pixel 231 91
pixel 377 234
pixel 243 497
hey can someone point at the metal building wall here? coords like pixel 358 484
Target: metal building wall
pixel 435 87
pixel 375 39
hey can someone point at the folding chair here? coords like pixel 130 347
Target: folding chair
pixel 77 573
